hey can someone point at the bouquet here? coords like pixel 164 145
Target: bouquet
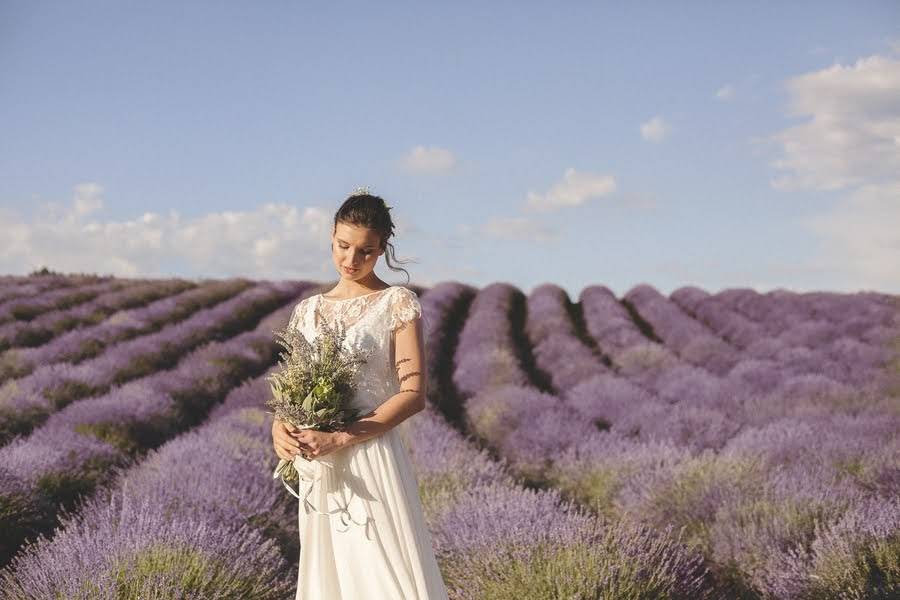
pixel 313 388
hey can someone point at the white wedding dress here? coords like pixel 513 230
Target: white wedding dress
pixel 362 528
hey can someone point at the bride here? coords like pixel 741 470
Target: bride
pixel 362 528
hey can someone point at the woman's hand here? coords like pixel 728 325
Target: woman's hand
pixel 285 441
pixel 318 443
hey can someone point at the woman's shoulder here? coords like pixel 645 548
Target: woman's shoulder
pixel 404 307
pixel 399 296
pixel 404 291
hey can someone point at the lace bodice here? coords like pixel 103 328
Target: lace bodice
pixel 369 321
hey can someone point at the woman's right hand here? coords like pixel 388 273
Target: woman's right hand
pixel 286 445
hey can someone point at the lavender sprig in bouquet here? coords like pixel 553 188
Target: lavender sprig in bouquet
pixel 313 389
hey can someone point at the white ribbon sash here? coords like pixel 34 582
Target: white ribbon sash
pixel 315 470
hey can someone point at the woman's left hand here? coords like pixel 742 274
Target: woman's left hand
pixel 319 443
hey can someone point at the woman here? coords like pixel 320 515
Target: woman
pixel 362 528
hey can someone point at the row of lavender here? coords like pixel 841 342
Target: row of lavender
pixel 19 286
pixel 25 309
pixel 130 344
pixel 39 328
pixel 16 286
pixel 201 517
pixel 53 290
pixel 87 341
pixel 77 448
pixel 636 408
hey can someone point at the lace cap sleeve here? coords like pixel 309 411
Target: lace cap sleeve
pixel 405 307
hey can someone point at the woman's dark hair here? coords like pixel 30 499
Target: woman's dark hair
pixel 371 212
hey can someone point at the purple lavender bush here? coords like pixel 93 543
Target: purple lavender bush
pixel 87 342
pixel 95 435
pixel 39 330
pixel 196 518
pixel 496 539
pixel 26 309
pixel 27 402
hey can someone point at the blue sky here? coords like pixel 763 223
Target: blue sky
pixel 698 143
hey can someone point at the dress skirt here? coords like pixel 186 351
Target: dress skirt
pixel 372 541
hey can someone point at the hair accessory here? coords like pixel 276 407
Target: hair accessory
pixel 364 191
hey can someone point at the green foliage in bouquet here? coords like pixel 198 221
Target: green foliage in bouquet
pixel 314 385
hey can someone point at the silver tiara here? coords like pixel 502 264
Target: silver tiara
pixel 363 190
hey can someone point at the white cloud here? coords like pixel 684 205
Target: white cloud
pixel 853 134
pixel 518 228
pixel 655 130
pixel 271 241
pixel 575 189
pixel 88 198
pixel 850 144
pixel 429 159
pixel 863 231
pixel 726 92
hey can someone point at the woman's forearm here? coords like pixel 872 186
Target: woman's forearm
pixel 386 416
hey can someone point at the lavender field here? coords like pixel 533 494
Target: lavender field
pixel 697 445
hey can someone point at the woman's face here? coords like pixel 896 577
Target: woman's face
pixel 354 248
